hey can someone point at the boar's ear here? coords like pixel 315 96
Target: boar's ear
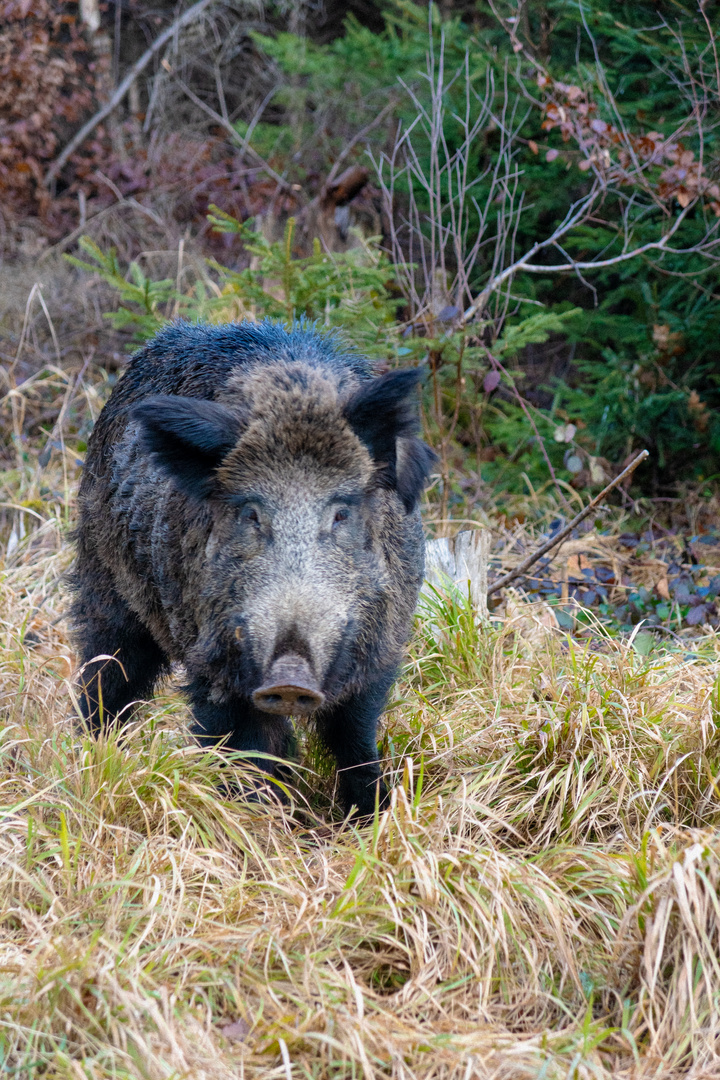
pixel 187 437
pixel 415 460
pixel 383 412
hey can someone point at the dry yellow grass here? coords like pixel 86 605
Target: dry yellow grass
pixel 540 900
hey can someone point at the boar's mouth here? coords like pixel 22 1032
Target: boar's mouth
pixel 290 688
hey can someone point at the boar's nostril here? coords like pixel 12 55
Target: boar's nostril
pixel 290 688
pixel 288 700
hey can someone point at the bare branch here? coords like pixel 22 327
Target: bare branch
pixel 573 266
pixel 256 119
pixel 712 40
pixel 436 251
pixel 577 213
pixel 342 156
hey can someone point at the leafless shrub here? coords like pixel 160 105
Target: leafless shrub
pixel 445 242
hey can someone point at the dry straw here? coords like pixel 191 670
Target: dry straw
pixel 540 900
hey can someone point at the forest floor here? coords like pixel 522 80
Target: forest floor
pixel 540 899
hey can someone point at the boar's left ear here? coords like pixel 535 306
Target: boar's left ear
pixel 383 412
pixel 187 437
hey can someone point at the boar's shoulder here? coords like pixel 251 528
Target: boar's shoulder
pixel 198 360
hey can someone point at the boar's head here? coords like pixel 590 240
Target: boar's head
pixel 307 487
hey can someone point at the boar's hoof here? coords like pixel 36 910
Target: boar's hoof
pixel 290 689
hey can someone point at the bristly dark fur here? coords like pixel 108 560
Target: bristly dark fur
pixel 251 494
pixel 413 472
pixel 382 413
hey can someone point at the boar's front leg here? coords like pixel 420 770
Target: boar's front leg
pixel 107 627
pixel 350 733
pixel 240 726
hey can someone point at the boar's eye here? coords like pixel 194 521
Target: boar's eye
pixel 341 515
pixel 250 514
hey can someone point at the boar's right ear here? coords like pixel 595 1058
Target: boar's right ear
pixel 187 437
pixel 383 414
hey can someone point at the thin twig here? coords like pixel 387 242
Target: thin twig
pixel 235 136
pixel 713 45
pixel 528 562
pixel 138 67
pixel 120 204
pixel 35 291
pixel 255 120
pixel 44 456
pixel 356 139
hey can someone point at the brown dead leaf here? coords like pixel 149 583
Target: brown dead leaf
pixel 574 566
pixel 661 335
pixel 617 151
pixel 698 408
pixel 663 588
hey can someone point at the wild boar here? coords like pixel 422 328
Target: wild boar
pixel 249 508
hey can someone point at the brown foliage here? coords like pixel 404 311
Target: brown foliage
pixel 53 76
pixel 48 85
pixel 668 166
pixel 179 177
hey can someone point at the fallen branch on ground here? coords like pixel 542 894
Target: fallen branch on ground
pixel 528 562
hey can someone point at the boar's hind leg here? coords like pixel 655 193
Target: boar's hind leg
pixel 350 733
pixel 240 726
pixel 108 627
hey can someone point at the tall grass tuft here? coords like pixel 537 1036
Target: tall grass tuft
pixel 540 899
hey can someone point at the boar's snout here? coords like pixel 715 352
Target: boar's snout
pixel 290 688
